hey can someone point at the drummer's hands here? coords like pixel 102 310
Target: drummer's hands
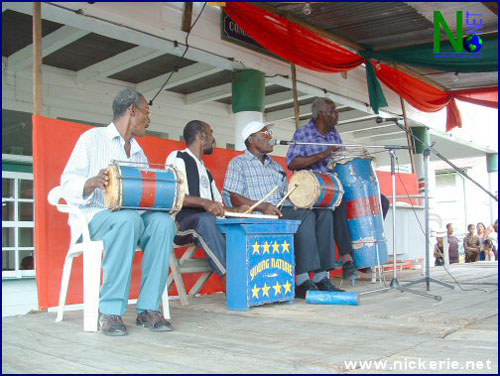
pixel 268 208
pixel 328 152
pixel 99 181
pixel 213 207
pixel 241 209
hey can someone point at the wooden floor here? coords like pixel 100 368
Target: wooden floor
pixel 401 329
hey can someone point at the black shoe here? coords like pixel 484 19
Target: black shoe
pixel 154 321
pixel 349 271
pixel 326 285
pixel 301 290
pixel 112 325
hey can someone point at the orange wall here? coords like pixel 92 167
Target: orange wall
pixel 53 142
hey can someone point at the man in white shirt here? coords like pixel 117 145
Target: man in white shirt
pixel 203 201
pixel 84 181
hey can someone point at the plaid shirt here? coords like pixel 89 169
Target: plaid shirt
pixel 309 133
pixel 248 177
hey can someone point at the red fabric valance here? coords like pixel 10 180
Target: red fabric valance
pixel 420 95
pixel 484 96
pixel 291 41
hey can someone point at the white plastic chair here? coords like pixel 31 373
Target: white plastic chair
pixel 92 258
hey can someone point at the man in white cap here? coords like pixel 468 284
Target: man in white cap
pixel 251 176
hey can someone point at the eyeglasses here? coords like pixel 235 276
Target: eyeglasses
pixel 146 111
pixel 267 132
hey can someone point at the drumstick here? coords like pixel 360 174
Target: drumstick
pixel 287 194
pixel 249 215
pixel 262 200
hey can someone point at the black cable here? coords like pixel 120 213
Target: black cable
pixel 179 59
pixel 432 246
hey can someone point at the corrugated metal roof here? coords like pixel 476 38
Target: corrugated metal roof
pixel 386 25
pixel 364 23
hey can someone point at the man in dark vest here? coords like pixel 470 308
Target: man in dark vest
pixel 203 202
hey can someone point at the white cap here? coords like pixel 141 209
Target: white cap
pixel 253 127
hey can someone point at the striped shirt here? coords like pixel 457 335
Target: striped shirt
pixel 309 133
pixel 94 151
pixel 248 177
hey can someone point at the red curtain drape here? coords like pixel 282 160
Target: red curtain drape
pixel 291 41
pixel 420 95
pixel 484 96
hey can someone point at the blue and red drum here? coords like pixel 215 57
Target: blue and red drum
pixel 364 211
pixel 315 190
pixel 132 187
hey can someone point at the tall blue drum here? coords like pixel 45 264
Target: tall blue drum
pixel 364 210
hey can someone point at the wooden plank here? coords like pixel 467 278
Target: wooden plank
pixel 186 17
pixel 37 59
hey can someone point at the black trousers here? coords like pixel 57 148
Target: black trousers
pixel 341 229
pixel 314 241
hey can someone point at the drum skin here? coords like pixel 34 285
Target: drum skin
pixel 364 211
pixel 315 190
pixel 144 188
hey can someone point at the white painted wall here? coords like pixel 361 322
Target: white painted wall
pixel 19 296
pixel 461 202
pixel 410 232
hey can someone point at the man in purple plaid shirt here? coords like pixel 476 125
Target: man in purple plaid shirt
pixel 321 129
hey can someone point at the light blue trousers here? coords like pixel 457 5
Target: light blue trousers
pixel 121 231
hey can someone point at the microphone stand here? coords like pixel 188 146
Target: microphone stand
pixel 427 279
pixel 391 148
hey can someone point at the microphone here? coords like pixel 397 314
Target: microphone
pixel 380 120
pixel 275 141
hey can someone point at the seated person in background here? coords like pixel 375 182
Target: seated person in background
pixel 321 129
pixel 251 176
pixel 472 244
pixel 489 252
pixel 203 201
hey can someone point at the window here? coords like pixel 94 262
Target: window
pixel 17 133
pixel 17 225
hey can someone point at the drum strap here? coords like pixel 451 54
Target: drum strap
pixel 193 175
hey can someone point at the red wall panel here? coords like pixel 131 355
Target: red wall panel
pixel 53 142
